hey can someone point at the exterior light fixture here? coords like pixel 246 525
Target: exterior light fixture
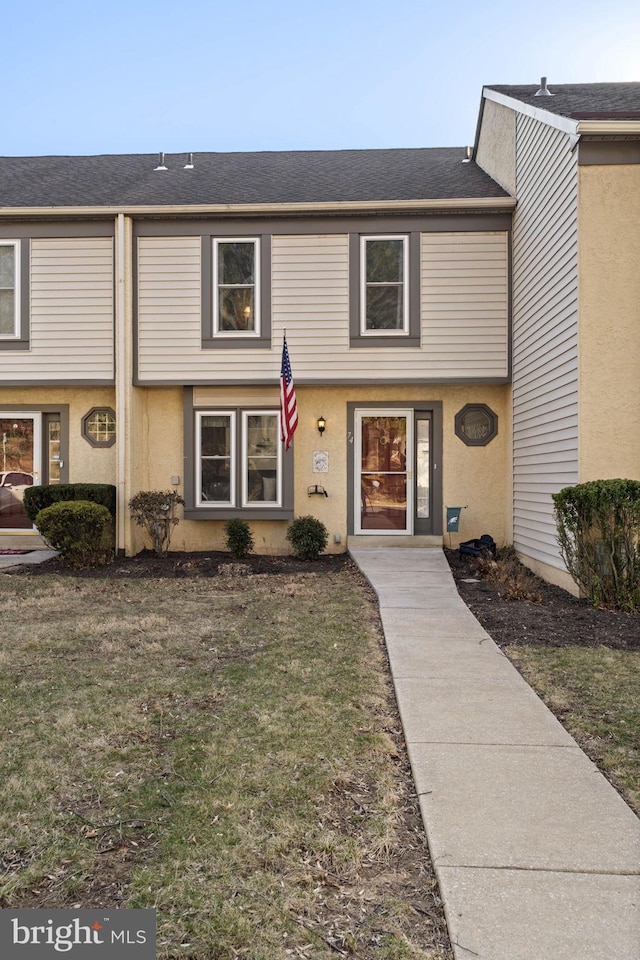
pixel 321 425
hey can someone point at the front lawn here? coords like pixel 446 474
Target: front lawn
pixel 225 750
pixel 594 692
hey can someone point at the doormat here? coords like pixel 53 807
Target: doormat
pixel 11 553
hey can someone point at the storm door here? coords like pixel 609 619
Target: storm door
pixel 383 472
pixel 20 455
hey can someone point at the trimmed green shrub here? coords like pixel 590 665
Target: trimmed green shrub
pixel 599 535
pixel 154 510
pixel 308 537
pixel 239 540
pixel 82 531
pixel 37 498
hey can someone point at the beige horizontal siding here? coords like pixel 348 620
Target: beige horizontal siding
pixel 464 307
pixel 310 299
pixel 71 313
pixel 169 331
pixel 464 303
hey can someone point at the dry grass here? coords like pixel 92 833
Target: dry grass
pixel 594 691
pixel 225 750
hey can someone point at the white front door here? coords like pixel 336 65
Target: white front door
pixel 20 466
pixel 384 457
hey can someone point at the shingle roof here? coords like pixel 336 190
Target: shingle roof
pixel 581 101
pixel 244 178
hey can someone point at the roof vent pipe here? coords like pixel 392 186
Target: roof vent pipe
pixel 189 164
pixel 467 154
pixel 544 90
pixel 161 165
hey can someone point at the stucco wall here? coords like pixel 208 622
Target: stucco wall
pixel 609 332
pixel 496 151
pixel 86 464
pixel 473 477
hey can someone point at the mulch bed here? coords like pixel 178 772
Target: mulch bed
pixel 147 565
pixel 558 620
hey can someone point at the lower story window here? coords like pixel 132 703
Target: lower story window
pixel 261 474
pixel 216 476
pixel 99 427
pixel 238 457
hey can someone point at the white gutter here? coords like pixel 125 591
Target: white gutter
pixel 609 128
pixel 244 209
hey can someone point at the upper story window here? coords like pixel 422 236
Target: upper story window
pixel 235 292
pixel 383 305
pixel 9 289
pixel 384 290
pixel 236 283
pixel 14 293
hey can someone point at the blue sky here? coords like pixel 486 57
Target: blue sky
pixel 135 76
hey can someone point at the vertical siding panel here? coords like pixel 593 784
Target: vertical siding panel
pixel 545 334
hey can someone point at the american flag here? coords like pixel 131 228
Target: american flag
pixel 288 405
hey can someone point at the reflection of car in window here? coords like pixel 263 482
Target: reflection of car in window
pixel 13 483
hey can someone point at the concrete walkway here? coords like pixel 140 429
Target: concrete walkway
pixel 537 856
pixel 18 559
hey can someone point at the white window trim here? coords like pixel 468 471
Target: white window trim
pixel 260 504
pixel 256 332
pixel 16 289
pixel 200 501
pixel 404 331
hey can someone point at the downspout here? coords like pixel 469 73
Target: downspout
pixel 122 382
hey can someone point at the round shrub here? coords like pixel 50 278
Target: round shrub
pixel 36 498
pixel 82 531
pixel 308 537
pixel 598 525
pixel 239 540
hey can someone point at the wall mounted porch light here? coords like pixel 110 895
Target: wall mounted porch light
pixel 321 425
